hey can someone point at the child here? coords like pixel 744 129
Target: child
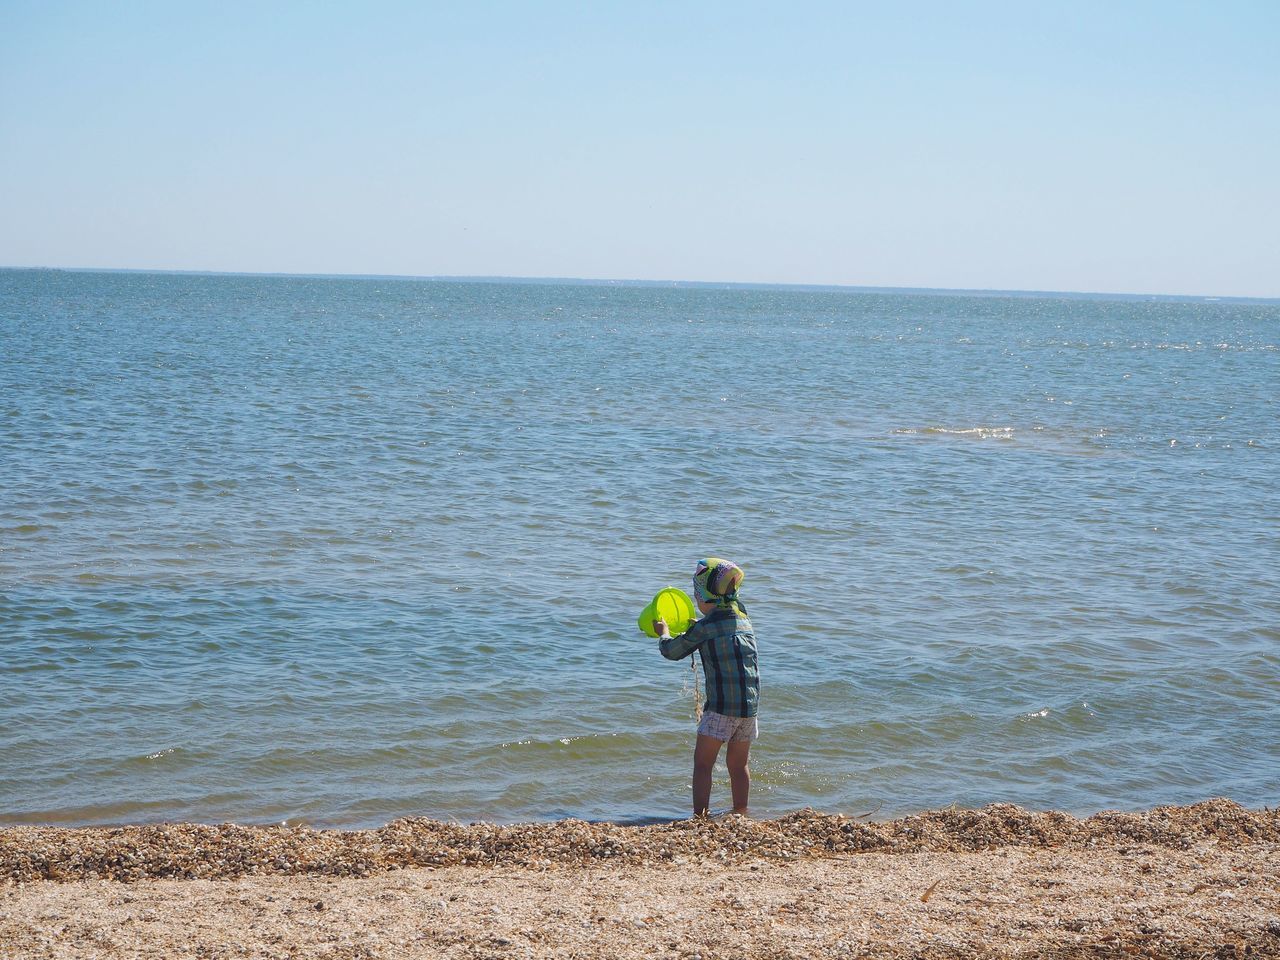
pixel 725 640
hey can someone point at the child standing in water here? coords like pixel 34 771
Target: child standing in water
pixel 726 642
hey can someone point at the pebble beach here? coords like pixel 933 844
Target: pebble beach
pixel 1191 881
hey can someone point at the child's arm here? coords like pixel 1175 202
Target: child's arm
pixel 677 648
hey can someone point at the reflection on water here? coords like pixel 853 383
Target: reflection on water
pixel 335 551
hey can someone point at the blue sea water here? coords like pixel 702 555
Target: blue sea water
pixel 337 551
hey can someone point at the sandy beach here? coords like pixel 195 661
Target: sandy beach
pixel 1174 882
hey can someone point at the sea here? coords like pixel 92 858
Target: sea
pixel 337 551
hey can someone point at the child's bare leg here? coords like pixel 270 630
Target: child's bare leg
pixel 705 752
pixel 735 759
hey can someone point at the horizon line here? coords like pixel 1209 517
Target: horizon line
pixel 669 284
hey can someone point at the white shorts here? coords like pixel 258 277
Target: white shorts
pixel 720 727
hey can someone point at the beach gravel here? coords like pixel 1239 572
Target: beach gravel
pixel 1174 882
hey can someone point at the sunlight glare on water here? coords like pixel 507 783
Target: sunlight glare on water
pixel 339 551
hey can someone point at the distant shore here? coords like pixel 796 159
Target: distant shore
pixel 1173 882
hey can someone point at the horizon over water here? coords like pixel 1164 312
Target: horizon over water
pixel 336 551
pixel 679 284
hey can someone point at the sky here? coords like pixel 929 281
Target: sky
pixel 1126 147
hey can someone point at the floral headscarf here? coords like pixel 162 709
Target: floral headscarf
pixel 717 581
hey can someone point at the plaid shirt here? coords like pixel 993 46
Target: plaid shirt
pixel 727 644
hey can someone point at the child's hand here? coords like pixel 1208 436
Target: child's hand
pixel 660 628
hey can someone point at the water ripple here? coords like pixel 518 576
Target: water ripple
pixel 337 551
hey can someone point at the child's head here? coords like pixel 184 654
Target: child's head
pixel 715 584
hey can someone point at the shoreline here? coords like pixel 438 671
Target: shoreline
pixel 230 851
pixel 1173 883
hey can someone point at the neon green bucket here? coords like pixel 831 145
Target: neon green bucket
pixel 671 605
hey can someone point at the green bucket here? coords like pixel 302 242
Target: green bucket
pixel 671 605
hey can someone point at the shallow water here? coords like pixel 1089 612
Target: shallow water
pixel 338 551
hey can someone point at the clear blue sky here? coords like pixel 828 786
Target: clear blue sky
pixel 1091 146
